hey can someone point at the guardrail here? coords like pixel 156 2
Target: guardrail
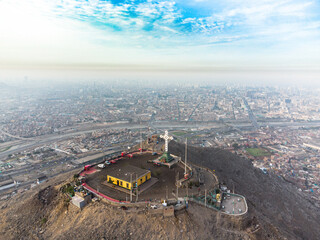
pixel 208 170
pixel 90 189
pixel 214 208
pixel 245 202
pixel 203 204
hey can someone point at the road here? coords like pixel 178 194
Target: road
pixel 45 167
pixel 22 145
pixel 252 117
pixel 47 139
pixel 12 136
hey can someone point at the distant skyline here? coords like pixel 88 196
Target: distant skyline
pixel 164 35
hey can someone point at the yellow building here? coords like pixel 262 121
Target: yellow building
pixel 129 177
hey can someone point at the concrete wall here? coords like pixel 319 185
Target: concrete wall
pixel 168 211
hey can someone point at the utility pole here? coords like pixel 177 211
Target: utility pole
pixel 137 190
pixel 177 179
pixel 205 197
pixel 233 206
pixel 140 141
pixel 131 187
pixel 185 155
pixel 187 191
pixel 167 193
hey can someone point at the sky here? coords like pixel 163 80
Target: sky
pixel 147 35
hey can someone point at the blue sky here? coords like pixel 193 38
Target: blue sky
pixel 199 34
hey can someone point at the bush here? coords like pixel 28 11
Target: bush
pixel 77 183
pixel 43 220
pixel 68 189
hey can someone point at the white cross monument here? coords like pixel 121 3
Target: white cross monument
pixel 167 139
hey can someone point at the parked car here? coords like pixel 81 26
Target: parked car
pixel 101 165
pixel 107 162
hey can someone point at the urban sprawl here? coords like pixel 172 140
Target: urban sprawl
pixel 45 132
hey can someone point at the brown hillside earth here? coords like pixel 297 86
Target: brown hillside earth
pixel 271 200
pixel 45 213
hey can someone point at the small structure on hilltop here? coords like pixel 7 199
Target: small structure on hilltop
pixel 166 157
pixel 81 199
pixel 129 177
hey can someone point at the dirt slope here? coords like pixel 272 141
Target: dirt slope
pixel 46 215
pixel 271 200
pixel 274 211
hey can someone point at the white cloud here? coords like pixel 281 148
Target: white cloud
pixel 100 32
pixel 258 11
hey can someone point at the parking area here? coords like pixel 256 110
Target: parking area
pixel 165 184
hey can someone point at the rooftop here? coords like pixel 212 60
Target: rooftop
pixel 123 173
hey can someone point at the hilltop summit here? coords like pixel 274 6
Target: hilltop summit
pixel 276 210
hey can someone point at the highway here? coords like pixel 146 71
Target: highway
pixel 251 115
pixel 12 136
pixel 22 145
pixel 48 139
pixel 47 167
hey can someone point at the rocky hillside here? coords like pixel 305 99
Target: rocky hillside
pixel 47 215
pixel 271 200
pixel 276 211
